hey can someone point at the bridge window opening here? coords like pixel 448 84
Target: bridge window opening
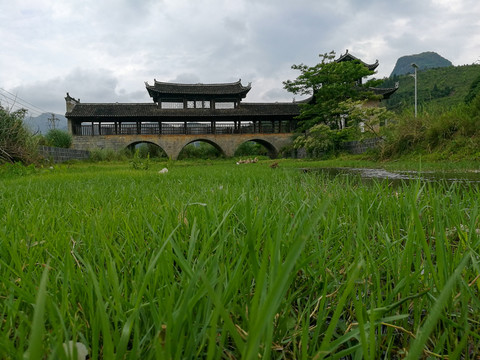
pixel 251 148
pixel 190 104
pixel 171 105
pixel 224 105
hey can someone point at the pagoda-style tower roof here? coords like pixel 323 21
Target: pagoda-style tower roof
pixel 171 91
pixel 349 57
pixel 385 92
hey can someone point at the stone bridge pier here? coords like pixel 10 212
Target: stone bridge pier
pixel 173 144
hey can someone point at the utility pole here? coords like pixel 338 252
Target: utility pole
pixel 52 121
pixel 415 66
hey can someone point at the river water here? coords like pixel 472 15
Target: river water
pixel 366 174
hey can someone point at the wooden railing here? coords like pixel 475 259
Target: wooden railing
pixel 95 129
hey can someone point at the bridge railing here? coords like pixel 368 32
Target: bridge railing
pixel 264 127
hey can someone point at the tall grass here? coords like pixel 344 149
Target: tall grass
pixel 227 261
pixel 17 144
pixel 441 134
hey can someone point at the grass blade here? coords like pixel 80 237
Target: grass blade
pixel 35 348
pixel 435 312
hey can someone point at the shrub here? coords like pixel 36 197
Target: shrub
pixel 16 141
pixel 138 163
pixel 59 138
pixel 321 140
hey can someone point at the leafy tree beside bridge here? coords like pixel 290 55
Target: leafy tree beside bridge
pixel 329 83
pixel 336 106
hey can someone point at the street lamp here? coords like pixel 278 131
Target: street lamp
pixel 415 66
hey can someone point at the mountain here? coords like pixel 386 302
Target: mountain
pixel 441 87
pixel 42 124
pixel 424 60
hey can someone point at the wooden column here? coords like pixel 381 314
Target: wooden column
pixel 93 129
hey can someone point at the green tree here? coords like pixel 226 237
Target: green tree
pixel 329 83
pixel 371 118
pixel 320 139
pixel 473 91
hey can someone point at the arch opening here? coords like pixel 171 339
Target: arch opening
pixel 252 148
pixel 146 148
pixel 201 149
pixel 256 147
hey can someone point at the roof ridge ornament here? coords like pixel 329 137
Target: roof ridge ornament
pixel 72 99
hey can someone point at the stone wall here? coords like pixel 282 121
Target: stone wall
pixel 173 144
pixel 61 154
pixel 359 147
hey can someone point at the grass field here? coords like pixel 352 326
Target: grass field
pixel 219 260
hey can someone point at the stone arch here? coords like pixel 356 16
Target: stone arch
pixel 201 139
pixel 132 145
pixel 272 150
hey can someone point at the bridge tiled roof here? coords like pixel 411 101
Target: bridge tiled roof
pixel 385 92
pixel 119 110
pixel 211 90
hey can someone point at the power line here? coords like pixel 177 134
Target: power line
pixel 24 101
pixel 16 104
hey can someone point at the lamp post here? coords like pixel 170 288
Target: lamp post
pixel 415 67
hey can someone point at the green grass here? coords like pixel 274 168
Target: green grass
pixel 218 260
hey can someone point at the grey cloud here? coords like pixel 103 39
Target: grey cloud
pixel 278 94
pixel 88 85
pixel 104 50
pixel 186 78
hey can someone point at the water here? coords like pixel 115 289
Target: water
pixel 397 177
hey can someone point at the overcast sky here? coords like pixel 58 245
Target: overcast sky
pixel 104 50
